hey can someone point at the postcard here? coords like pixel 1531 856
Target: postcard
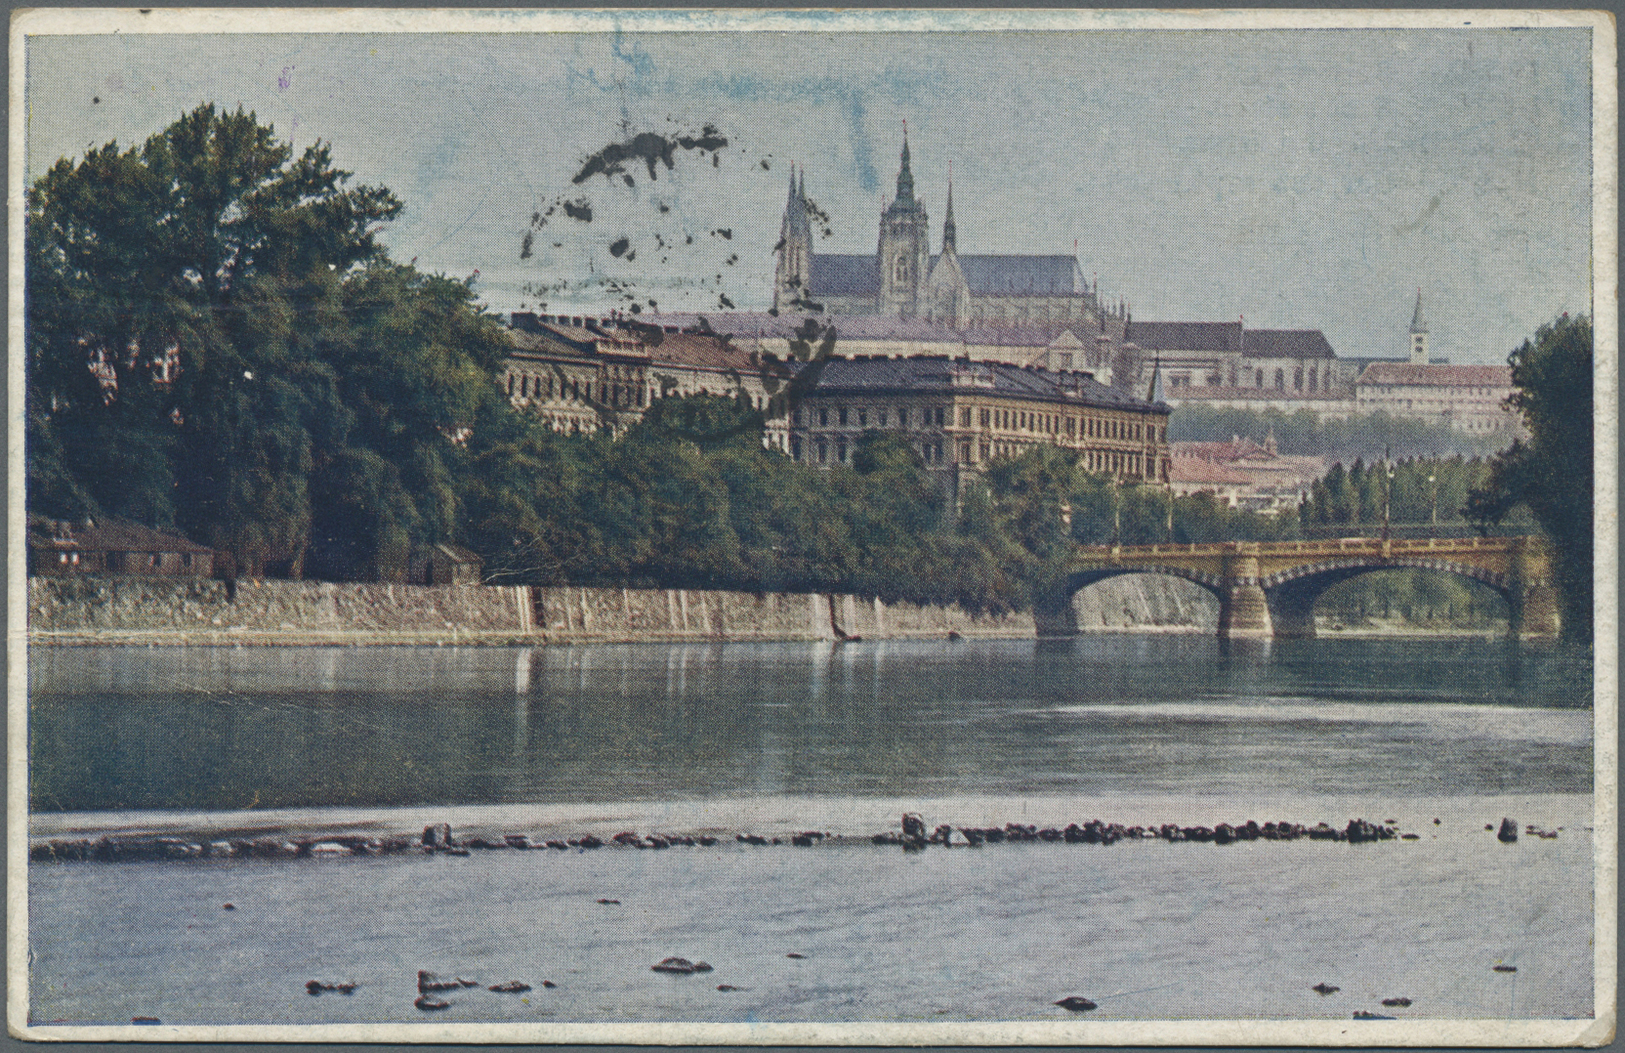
pixel 813 527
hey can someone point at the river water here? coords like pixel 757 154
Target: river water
pixel 771 738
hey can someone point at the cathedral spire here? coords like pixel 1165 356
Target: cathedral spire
pixel 1418 323
pixel 949 235
pixel 905 178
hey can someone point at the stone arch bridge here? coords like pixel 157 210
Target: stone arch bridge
pixel 1269 588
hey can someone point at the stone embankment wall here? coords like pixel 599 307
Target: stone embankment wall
pixel 1146 603
pixel 153 610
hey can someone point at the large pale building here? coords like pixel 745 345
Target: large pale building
pixel 1470 399
pixel 961 414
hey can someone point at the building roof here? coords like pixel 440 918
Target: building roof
pixel 1019 275
pixel 1404 374
pixel 763 326
pixel 109 535
pixel 1286 343
pixel 701 350
pixel 843 275
pixel 1053 334
pixel 1230 337
pixel 1198 470
pixel 934 373
pixel 1184 336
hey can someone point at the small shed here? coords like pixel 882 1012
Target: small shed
pixel 64 548
pixel 445 564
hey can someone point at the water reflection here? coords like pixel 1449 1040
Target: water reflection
pixel 234 728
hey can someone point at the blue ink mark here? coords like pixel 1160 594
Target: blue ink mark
pixel 286 78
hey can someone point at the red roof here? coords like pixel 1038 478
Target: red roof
pixel 1405 374
pixel 1197 470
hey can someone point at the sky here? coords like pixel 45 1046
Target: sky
pixel 1311 179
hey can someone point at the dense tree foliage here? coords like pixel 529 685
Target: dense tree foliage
pixel 217 344
pixel 1419 491
pixel 1552 473
pixel 1304 432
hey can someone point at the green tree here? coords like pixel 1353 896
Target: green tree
pixel 1552 473
pixel 177 296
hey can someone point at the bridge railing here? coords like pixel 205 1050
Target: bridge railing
pixel 1312 547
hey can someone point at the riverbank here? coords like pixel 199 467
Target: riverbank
pixel 201 612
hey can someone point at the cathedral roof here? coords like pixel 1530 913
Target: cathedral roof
pixel 1021 275
pixel 838 275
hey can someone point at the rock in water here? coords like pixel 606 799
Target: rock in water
pixel 511 987
pixel 1361 1014
pixel 675 965
pixel 1505 968
pixel 1325 989
pixel 913 826
pixel 1076 1004
pixel 1402 1003
pixel 1508 832
pixel 428 981
pixel 429 1002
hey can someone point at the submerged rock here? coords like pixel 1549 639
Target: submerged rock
pixel 681 966
pixel 428 1003
pixel 511 987
pixel 1508 832
pixel 316 987
pixel 1361 1014
pixel 1325 989
pixel 428 981
pixel 1076 1004
pixel 1402 1003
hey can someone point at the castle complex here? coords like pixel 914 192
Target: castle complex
pixel 904 280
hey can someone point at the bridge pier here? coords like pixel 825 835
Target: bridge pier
pixel 1244 612
pixel 1534 613
pixel 1292 613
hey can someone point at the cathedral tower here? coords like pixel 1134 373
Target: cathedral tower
pixel 905 251
pixel 793 274
pixel 1419 334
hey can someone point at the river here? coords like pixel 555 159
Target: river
pixel 773 738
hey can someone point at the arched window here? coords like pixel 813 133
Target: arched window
pixel 1280 380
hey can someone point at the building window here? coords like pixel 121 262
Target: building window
pixel 823 420
pixel 840 450
pixel 880 417
pixel 841 414
pixel 823 452
pixel 1280 380
pixel 964 422
pixel 902 418
pixel 863 418
pixel 795 447
pixel 984 451
pixel 964 453
pixel 157 560
pixel 983 416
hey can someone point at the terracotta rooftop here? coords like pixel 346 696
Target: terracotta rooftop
pixel 1405 374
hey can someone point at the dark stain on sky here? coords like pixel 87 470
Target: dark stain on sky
pixel 581 210
pixel 652 149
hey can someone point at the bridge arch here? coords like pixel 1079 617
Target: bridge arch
pixel 1291 594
